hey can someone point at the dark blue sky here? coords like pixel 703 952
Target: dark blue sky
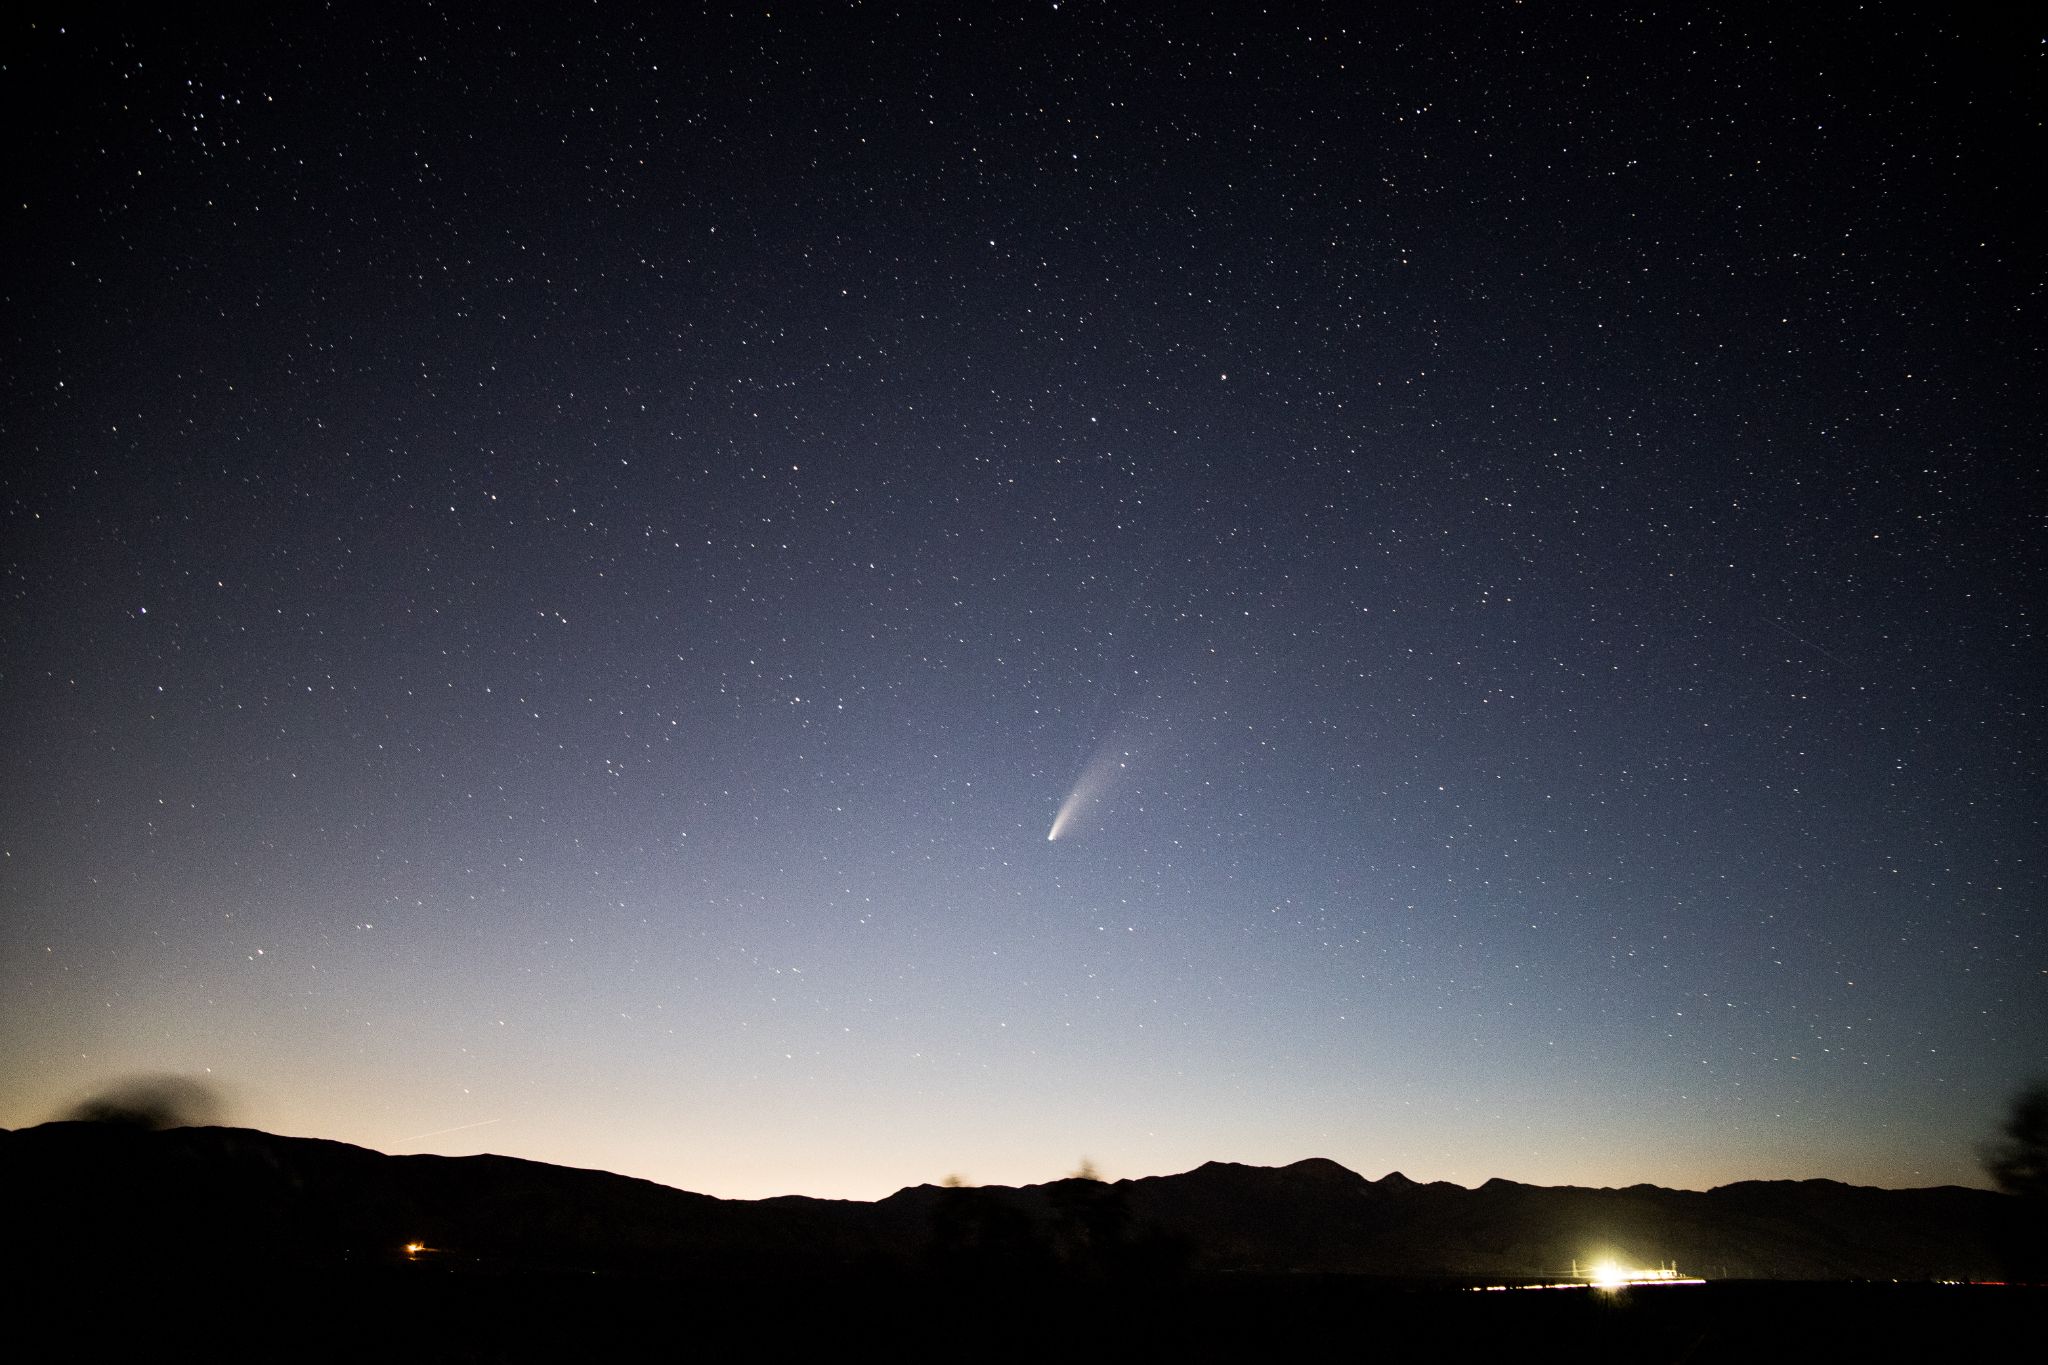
pixel 559 571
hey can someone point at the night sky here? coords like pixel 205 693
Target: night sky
pixel 559 573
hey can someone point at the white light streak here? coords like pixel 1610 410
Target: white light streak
pixel 1108 761
pixel 443 1132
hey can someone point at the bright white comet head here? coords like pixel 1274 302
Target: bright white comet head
pixel 1107 763
pixel 1065 816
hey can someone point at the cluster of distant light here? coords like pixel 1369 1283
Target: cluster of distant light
pixel 1613 1275
pixel 1608 1276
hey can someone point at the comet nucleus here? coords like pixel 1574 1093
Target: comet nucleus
pixel 1108 761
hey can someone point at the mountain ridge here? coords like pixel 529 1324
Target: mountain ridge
pixel 99 1192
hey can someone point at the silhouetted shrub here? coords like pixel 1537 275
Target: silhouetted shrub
pixel 152 1103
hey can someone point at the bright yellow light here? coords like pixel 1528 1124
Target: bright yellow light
pixel 415 1248
pixel 1612 1274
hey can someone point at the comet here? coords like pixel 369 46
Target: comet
pixel 1107 762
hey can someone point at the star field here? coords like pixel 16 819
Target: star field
pixel 559 569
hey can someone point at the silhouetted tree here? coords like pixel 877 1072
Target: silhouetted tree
pixel 152 1102
pixel 984 1236
pixel 2018 1160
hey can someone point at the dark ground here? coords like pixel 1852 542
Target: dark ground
pixel 424 1312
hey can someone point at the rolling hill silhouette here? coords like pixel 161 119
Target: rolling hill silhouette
pixel 113 1195
pixel 231 1244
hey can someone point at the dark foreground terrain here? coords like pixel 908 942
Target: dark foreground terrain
pixel 228 1243
pixel 411 1314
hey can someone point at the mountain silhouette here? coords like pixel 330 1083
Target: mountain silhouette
pixel 229 1244
pixel 115 1194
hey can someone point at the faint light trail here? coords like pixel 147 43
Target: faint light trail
pixel 458 1128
